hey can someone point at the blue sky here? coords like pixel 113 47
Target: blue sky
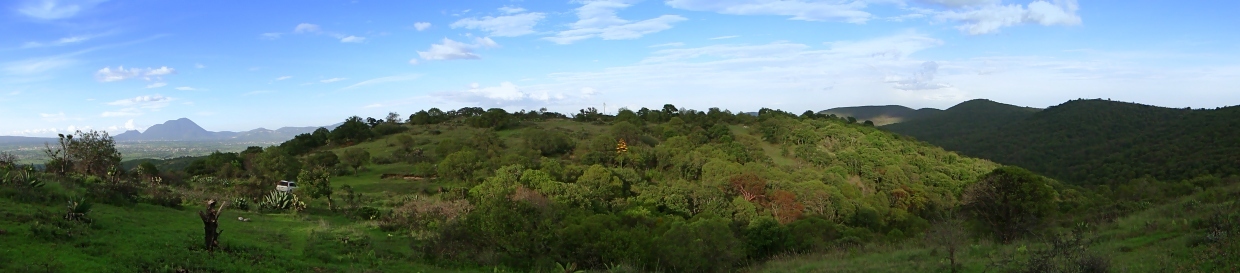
pixel 117 65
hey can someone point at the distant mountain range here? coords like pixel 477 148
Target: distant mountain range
pixel 881 115
pixel 184 129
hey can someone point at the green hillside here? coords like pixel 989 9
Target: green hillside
pixel 642 191
pixel 1092 141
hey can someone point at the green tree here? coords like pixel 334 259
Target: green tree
pixel 1010 202
pixel 318 184
pixel 603 185
pixel 148 169
pixel 459 165
pixel 89 153
pixel 275 164
pixel 548 142
pixel 352 131
pixel 705 245
pixel 323 159
pixel 356 158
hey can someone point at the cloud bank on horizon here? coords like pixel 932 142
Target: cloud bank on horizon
pixel 94 64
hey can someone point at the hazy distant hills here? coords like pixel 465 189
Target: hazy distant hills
pixel 881 115
pixel 184 129
pixel 1090 141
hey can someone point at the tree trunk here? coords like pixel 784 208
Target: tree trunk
pixel 210 225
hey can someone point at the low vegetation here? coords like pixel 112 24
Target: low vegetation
pixel 663 190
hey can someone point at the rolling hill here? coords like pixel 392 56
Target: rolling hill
pixel 882 115
pixel 1091 141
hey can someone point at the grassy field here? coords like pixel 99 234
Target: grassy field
pixel 1158 239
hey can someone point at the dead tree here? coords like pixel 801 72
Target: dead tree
pixel 211 224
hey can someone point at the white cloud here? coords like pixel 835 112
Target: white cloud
pixel 270 35
pixel 333 80
pixel 598 19
pixel 129 125
pixel 503 26
pixel 511 10
pixel 413 61
pixel 922 79
pixel 676 44
pixel 420 26
pixel 306 27
pixel 146 102
pixel 453 50
pixel 397 78
pixel 57 117
pixel 160 71
pixel 806 10
pixel 725 37
pixel 107 74
pixel 989 19
pixel 485 42
pixel 778 74
pixel 376 105
pixel 156 85
pixel 352 39
pixel 53 9
pixel 199 66
pixel 284 78
pixel 186 88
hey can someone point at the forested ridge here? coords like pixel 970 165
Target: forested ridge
pixel 1092 142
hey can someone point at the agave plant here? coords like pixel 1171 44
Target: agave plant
pixel 568 268
pixel 241 203
pixel 24 177
pixel 78 208
pixel 278 200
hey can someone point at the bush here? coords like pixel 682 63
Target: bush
pixel 765 237
pixel 59 230
pixel 121 193
pixel 705 245
pixel 164 196
pixel 241 203
pixel 388 129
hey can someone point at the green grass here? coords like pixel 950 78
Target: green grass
pixel 1152 240
pixel 148 238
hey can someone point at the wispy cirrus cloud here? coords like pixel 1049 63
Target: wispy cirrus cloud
pixel 515 24
pixel 55 9
pixel 107 74
pixel 388 79
pixel 452 50
pixel 332 80
pixel 598 19
pixel 308 28
pixel 70 40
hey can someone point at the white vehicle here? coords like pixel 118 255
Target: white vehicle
pixel 286 186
